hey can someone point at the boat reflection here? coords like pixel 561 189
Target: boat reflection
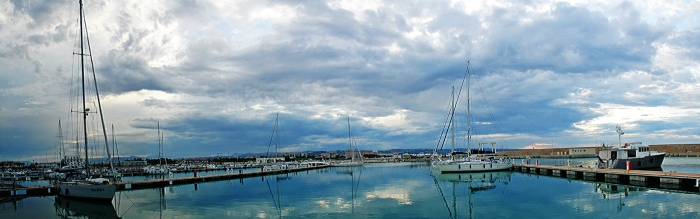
pixel 355 173
pixel 472 182
pixel 611 191
pixel 69 208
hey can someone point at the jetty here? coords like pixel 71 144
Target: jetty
pixel 644 178
pixel 11 190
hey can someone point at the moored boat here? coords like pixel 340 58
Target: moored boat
pixel 353 152
pixel 638 155
pixel 635 156
pixel 460 162
pixel 77 183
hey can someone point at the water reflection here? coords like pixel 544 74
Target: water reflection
pixel 611 191
pixel 355 174
pixel 13 202
pixel 472 182
pixel 69 208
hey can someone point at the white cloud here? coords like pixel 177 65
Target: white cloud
pixel 218 71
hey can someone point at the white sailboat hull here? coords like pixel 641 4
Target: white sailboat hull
pixel 348 164
pixel 156 171
pixel 470 166
pixel 87 191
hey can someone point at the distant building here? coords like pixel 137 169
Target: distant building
pixel 264 160
pixel 349 153
pixel 49 165
pixel 12 165
pixel 581 151
pixel 365 153
pixel 73 161
pixel 136 163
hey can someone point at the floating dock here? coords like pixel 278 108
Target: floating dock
pixel 643 178
pixel 19 191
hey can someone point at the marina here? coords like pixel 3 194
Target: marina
pixel 644 178
pixel 383 190
pixel 8 189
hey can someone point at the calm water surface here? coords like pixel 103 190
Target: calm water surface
pixel 393 190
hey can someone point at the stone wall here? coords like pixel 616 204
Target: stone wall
pixel 670 149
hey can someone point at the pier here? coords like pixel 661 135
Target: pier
pixel 19 191
pixel 652 179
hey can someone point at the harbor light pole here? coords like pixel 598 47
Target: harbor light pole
pixel 552 148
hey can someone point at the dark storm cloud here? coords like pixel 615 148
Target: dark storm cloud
pixel 40 12
pixel 570 39
pixel 123 73
pixel 545 68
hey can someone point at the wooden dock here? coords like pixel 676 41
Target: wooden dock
pixel 155 183
pixel 652 179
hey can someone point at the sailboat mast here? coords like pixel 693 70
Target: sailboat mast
pixel 452 120
pixel 162 144
pixel 114 141
pixel 62 151
pixel 277 136
pixel 469 115
pixel 82 72
pixel 160 151
pixel 350 140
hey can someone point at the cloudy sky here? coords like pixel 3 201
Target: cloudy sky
pixel 216 73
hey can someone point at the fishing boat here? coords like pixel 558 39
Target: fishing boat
pixel 460 162
pixel 79 184
pixel 353 152
pixel 634 155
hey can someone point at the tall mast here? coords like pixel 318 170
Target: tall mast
pixel 277 135
pixel 469 115
pixel 350 140
pixel 162 144
pixel 112 136
pixel 160 151
pixel 82 72
pixel 452 120
pixel 62 151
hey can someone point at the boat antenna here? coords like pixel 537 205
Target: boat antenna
pixel 619 135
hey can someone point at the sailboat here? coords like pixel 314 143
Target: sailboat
pixel 79 184
pixel 352 151
pixel 466 163
pixel 273 163
pixel 160 169
pixel 115 175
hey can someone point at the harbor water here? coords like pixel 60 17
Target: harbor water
pixel 384 190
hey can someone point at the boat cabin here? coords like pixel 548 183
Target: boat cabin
pixel 629 150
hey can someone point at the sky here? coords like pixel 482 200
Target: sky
pixel 215 75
